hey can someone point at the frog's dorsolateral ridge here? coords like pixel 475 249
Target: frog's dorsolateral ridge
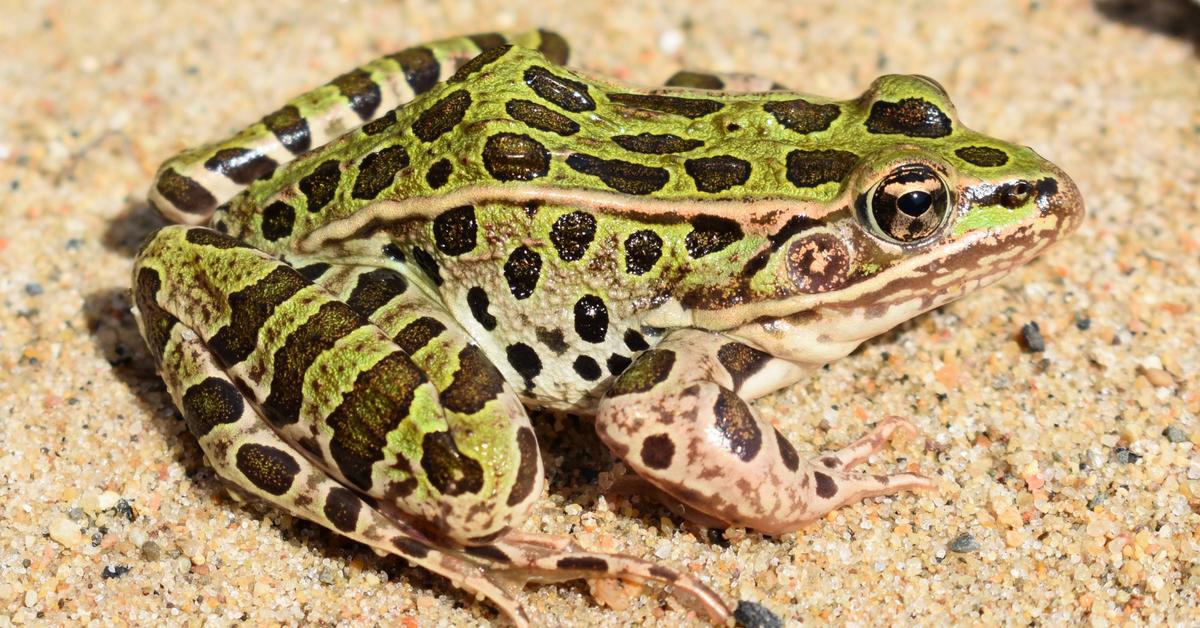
pixel 394 264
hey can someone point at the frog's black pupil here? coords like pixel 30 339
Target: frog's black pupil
pixel 915 203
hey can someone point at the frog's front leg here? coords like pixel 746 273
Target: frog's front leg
pixel 677 418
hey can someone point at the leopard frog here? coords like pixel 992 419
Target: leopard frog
pixel 373 282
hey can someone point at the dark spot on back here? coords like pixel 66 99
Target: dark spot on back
pixel 622 176
pixel 439 173
pixel 362 92
pixel 241 165
pixel 250 308
pixel 331 322
pixel 560 91
pixel 210 403
pixel 983 156
pixel 482 60
pixel 552 338
pixel 378 170
pixel 515 157
pixel 540 117
pixel 687 107
pixel 810 168
pixel 711 234
pixel 475 383
pixel 443 116
pixel 418 333
pixel 802 116
pixel 380 124
pixel 911 117
pixel 320 186
pixel 655 144
pixel 717 174
pixel 277 220
pixel 375 289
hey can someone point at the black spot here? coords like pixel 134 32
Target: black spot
pixel 341 508
pixel 515 157
pixel 587 368
pixel 477 301
pixel 735 422
pixel 563 92
pixel 525 361
pixel 617 363
pixel 658 451
pixel 912 117
pixel 449 470
pixel 622 176
pixel 687 107
pixel 362 92
pixel 787 453
pixel 482 60
pixel 156 322
pixel 242 165
pixel 420 67
pixel 802 116
pixel 278 219
pixel 332 321
pixel 290 128
pixel 553 46
pixel 439 173
pixel 393 252
pixel 207 237
pixel 418 333
pixel 541 118
pixel 443 116
pixel 716 174
pixel 591 318
pixel 826 487
pixel 250 308
pixel 695 80
pixel 711 234
pixel 582 563
pixel 374 407
pixel 378 170
pixel 654 144
pixel 313 271
pixel 741 361
pixel 320 186
pixel 552 338
pixel 572 234
pixel 375 289
pixel 650 369
pixel 381 124
pixel 635 341
pixel 410 547
pixel 185 193
pixel 522 270
pixel 642 250
pixel 527 470
pixel 810 168
pixel 210 403
pixel 490 552
pixel 983 156
pixel 426 262
pixel 476 382
pixel 487 40
pixel 454 230
pixel 269 469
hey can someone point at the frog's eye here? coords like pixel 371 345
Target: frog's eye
pixel 908 204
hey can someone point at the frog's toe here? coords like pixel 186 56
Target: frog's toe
pixel 847 457
pixel 833 489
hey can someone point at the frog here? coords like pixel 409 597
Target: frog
pixel 368 289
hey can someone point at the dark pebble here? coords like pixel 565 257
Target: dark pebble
pixel 1082 323
pixel 1175 434
pixel 1031 338
pixel 1095 501
pixel 755 615
pixel 151 551
pixel 73 244
pixel 33 289
pixel 964 544
pixel 716 536
pixel 1124 456
pixel 114 571
pixel 124 509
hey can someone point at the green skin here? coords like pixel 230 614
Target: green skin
pixel 355 338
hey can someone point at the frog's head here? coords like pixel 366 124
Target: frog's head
pixel 928 212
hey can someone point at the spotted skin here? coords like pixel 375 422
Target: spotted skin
pixel 399 261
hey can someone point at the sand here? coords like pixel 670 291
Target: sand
pixel 1069 478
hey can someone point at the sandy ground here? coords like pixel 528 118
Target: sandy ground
pixel 1069 478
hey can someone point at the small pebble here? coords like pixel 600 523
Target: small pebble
pixel 1082 322
pixel 1159 378
pixel 327 576
pixel 1124 456
pixel 1175 434
pixel 114 571
pixel 1095 501
pixel 33 289
pixel 151 551
pixel 1031 338
pixel 107 500
pixel 66 532
pixel 124 509
pixel 755 615
pixel 964 543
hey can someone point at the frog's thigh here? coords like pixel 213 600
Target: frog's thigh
pixel 338 388
pixel 724 81
pixel 675 416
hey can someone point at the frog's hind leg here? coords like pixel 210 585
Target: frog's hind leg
pixel 722 81
pixel 677 417
pixel 189 186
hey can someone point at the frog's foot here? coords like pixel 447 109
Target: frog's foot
pixel 524 557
